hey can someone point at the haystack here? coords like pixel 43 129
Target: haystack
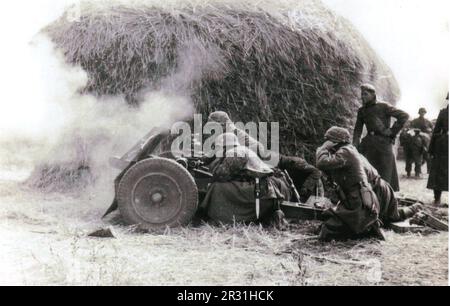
pixel 298 63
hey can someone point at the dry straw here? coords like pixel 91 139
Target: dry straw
pixel 296 63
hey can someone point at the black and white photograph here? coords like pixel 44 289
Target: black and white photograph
pixel 251 145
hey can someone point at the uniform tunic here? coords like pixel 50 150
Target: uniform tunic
pixel 231 197
pixel 307 178
pixel 438 179
pixel 359 207
pixel 424 125
pixel 377 146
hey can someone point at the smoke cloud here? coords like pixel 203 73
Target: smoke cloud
pixel 46 123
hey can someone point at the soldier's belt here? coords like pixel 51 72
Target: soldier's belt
pixel 373 133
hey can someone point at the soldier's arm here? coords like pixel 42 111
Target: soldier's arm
pixel 440 124
pixel 300 164
pixel 327 160
pixel 253 144
pixel 229 168
pixel 401 116
pixel 358 130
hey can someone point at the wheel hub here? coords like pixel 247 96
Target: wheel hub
pixel 157 198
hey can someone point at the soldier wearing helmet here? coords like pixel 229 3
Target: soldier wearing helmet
pixel 307 178
pixel 237 174
pixel 426 128
pixel 365 198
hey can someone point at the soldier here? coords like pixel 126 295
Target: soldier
pixel 228 126
pixel 307 178
pixel 426 127
pixel 232 195
pixel 377 146
pixel 438 180
pixel 366 200
pixel 357 212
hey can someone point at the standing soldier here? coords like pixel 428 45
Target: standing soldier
pixel 377 146
pixel 438 180
pixel 426 127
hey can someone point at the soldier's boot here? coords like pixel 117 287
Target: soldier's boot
pixel 437 197
pixel 408 174
pixel 377 232
pixel 418 176
pixel 279 220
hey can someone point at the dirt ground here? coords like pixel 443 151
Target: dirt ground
pixel 43 241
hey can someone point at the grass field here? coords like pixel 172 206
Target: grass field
pixel 43 241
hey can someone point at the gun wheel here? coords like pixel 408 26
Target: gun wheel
pixel 157 193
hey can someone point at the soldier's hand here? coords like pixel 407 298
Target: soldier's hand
pixel 328 145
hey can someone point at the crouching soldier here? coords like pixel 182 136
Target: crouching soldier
pixel 307 178
pixel 244 188
pixel 357 213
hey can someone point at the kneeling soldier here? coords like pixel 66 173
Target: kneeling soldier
pixel 244 188
pixel 357 213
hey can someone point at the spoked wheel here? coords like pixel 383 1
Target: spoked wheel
pixel 157 193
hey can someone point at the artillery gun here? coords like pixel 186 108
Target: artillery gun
pixel 159 188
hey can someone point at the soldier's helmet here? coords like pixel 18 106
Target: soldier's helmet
pixel 338 135
pixel 219 117
pixel 255 166
pixel 422 110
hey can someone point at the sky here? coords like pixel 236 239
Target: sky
pixel 412 36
